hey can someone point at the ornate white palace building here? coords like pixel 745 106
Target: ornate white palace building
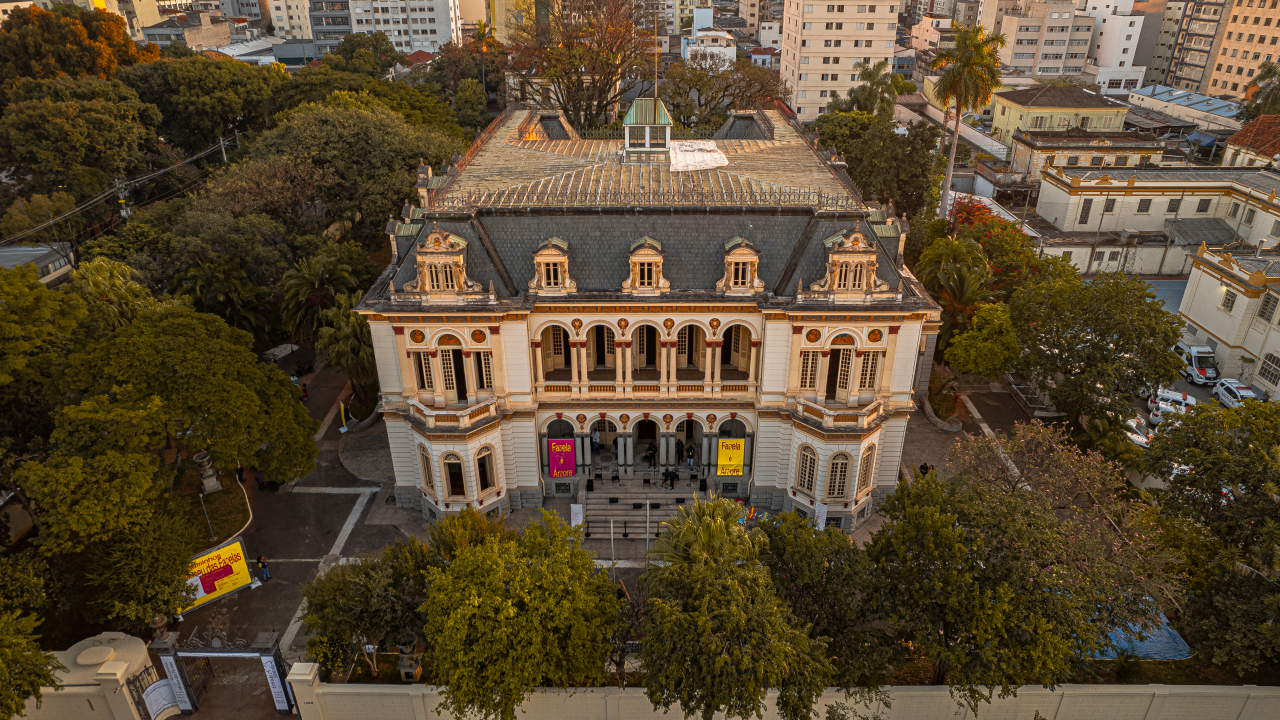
pixel 659 294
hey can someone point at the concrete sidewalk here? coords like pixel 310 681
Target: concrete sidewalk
pixel 366 453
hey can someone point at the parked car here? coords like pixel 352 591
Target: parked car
pixel 1135 428
pixel 1232 392
pixel 1167 402
pixel 1199 364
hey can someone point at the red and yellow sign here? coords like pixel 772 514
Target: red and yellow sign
pixel 729 458
pixel 219 572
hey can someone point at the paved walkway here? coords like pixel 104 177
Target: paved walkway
pixel 976 137
pixel 926 444
pixel 367 455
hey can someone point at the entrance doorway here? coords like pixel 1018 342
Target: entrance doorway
pixel 688 435
pixel 189 668
pixel 646 444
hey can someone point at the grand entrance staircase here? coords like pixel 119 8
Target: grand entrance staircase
pixel 626 502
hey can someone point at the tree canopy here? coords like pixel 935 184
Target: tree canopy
pixel 37 43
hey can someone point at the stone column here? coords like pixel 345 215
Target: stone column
pixel 586 378
pixel 304 679
pixel 673 462
pixel 751 369
pixel 626 372
pixel 662 450
pixel 577 453
pixel 824 362
pixel 716 363
pixel 793 368
pixel 112 676
pixel 710 459
pixel 662 366
pixel 706 449
pixel 573 369
pixel 887 362
pixel 630 442
pixel 706 370
pixel 617 365
pixel 586 453
pixel 469 372
pixel 542 455
pixel 746 455
pixel 497 368
pixel 538 378
pixel 437 378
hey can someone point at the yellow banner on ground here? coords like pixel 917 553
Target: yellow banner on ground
pixel 219 572
pixel 729 459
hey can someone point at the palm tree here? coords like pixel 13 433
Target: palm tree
pixel 109 285
pixel 943 253
pixel 877 92
pixel 221 287
pixel 962 287
pixel 708 532
pixel 348 340
pixel 1267 98
pixel 970 74
pixel 309 291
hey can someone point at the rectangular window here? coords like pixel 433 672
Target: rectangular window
pixel 423 366
pixel 1109 206
pixel 1228 300
pixel 1037 122
pixel 741 274
pixel 608 342
pixel 870 376
pixel 485 366
pixel 1113 256
pixel 446 370
pixel 551 274
pixel 808 468
pixel 1234 211
pixel 838 478
pixel 1096 160
pixel 1275 228
pixel 1144 206
pixel 644 274
pixel 1122 160
pixel 1174 205
pixel 1249 215
pixel 1085 206
pixel 1099 256
pixel 809 370
pixel 1073 160
pixel 1267 309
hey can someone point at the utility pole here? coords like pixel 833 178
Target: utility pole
pixel 222 143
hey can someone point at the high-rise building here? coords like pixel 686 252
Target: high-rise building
pixel 1170 21
pixel 991 12
pixel 409 24
pixel 1250 40
pixel 290 19
pixel 753 11
pixel 821 43
pixel 1196 47
pixel 1047 38
pixel 139 14
pixel 1124 39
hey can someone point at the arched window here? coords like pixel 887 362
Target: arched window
pixel 484 469
pixel 806 469
pixel 1270 370
pixel 455 480
pixel 865 469
pixel 838 476
pixel 428 477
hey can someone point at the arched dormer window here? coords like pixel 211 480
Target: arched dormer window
pixel 851 269
pixel 849 276
pixel 441 261
pixel 551 269
pixel 741 264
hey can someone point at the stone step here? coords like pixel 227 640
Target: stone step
pixel 599 529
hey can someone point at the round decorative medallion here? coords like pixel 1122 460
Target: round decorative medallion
pixel 478 336
pixel 417 336
pixel 577 325
pixel 581 418
pixel 624 418
pixel 623 323
pixel 813 336
pixel 667 418
pixel 711 419
pixel 875 336
pixel 668 324
pixel 714 323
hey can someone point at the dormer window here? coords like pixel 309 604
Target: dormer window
pixel 851 269
pixel 741 261
pixel 441 277
pixel 552 262
pixel 849 276
pixel 647 131
pixel 646 276
pixel 441 265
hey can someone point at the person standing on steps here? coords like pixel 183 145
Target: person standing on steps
pixel 263 569
pixel 689 452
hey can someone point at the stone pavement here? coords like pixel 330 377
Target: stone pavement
pixel 366 454
pixel 926 443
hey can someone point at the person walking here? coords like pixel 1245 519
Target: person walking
pixel 679 451
pixel 924 468
pixel 595 442
pixel 263 569
pixel 689 453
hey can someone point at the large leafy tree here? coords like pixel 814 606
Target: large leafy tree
pixel 143 573
pixel 970 74
pixel 283 189
pixel 373 154
pixel 214 394
pixel 827 582
pixel 1093 346
pixel 1220 512
pixel 700 91
pixel 587 55
pixel 24 667
pixel 717 637
pixel 989 346
pixel 202 100
pixel 884 163
pixel 110 291
pixel 368 54
pixel 876 93
pixel 219 285
pixel 36 43
pixel 471 105
pixel 507 617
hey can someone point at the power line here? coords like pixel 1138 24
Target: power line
pixel 115 190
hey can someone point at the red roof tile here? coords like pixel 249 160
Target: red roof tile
pixel 1261 136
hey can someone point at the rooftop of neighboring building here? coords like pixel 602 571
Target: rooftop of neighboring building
pixel 1261 136
pixel 1058 96
pixel 1080 138
pixel 11 256
pixel 417 57
pixel 766 51
pixel 1148 119
pixel 1260 179
pixel 1191 100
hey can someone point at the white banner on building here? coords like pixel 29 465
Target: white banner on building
pixel 277 685
pixel 820 516
pixel 575 515
pixel 179 687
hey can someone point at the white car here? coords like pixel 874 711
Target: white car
pixel 1232 393
pixel 1135 428
pixel 1165 403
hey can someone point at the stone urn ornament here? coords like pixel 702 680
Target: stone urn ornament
pixel 208 476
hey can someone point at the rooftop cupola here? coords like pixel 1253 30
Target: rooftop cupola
pixel 647 131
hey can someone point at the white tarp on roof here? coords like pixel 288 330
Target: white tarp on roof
pixel 696 155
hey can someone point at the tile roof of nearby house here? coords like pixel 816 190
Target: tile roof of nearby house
pixel 1058 96
pixel 1262 136
pixel 1079 137
pixel 1188 99
pixel 11 256
pixel 766 51
pixel 420 56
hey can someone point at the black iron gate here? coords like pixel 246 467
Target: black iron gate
pixel 138 684
pixel 199 673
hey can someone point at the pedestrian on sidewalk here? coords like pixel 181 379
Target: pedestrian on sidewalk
pixel 679 451
pixel 240 473
pixel 263 569
pixel 304 392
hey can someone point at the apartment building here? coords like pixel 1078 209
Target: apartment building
pixel 991 12
pixel 933 32
pixel 1250 40
pixel 1053 107
pixel 1170 21
pixel 409 24
pixel 330 22
pixel 1196 48
pixel 753 11
pixel 196 30
pixel 770 34
pixel 966 12
pixel 250 10
pixel 1047 38
pixel 1124 40
pixel 291 19
pixel 822 42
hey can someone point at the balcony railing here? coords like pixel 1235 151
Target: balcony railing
pixel 860 417
pixel 450 418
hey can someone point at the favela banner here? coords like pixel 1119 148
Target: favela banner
pixel 219 572
pixel 563 461
pixel 729 459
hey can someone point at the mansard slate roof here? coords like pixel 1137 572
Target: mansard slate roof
pixel 505 227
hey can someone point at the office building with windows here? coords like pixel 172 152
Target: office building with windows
pixel 822 42
pixel 561 315
pixel 410 25
pixel 1046 39
pixel 1195 50
pixel 1250 37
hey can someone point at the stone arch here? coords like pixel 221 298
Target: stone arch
pixel 447 339
pixel 726 429
pixel 829 341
